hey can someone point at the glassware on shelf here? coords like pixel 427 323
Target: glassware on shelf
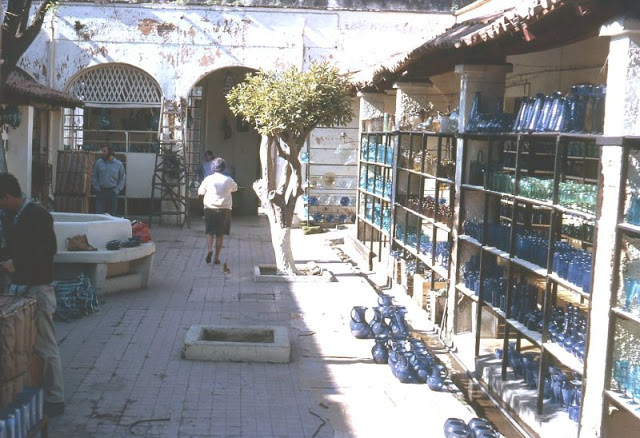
pixel 633 212
pixel 417 161
pixel 328 180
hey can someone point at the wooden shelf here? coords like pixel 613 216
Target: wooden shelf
pixel 471 240
pixel 425 175
pixel 623 402
pixel 570 286
pixel 439 225
pixel 460 287
pixel 374 163
pixel 366 192
pixel 375 226
pixel 626 315
pixel 629 228
pixel 566 358
pixel 438 269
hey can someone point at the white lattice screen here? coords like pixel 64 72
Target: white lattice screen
pixel 116 84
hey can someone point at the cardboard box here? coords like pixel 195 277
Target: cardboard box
pixel 421 288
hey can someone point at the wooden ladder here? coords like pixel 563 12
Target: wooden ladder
pixel 169 184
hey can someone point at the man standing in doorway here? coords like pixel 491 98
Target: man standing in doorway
pixel 108 180
pixel 206 164
pixel 31 245
pixel 217 189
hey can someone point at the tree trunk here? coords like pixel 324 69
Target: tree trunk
pixel 278 191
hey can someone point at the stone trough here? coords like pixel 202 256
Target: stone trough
pixel 237 344
pixel 268 274
pixel 109 271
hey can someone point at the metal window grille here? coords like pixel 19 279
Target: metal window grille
pixel 116 84
pixel 109 85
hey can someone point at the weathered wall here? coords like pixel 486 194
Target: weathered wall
pixel 372 5
pixel 179 45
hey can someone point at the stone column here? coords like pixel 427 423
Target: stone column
pixel 374 106
pixel 19 154
pixel 622 107
pixel 489 80
pixel 412 99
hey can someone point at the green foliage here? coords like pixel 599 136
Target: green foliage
pixel 292 102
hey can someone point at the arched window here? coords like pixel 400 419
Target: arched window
pixel 122 109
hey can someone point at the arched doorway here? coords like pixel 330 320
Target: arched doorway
pixel 226 135
pixel 122 109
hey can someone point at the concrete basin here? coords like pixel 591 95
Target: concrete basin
pixel 99 228
pixel 237 344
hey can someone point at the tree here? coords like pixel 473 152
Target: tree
pixel 284 107
pixel 16 36
pixel 18 32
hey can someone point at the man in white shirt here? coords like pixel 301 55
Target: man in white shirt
pixel 216 190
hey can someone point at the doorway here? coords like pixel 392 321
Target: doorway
pixel 225 135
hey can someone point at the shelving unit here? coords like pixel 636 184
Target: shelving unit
pixel 375 195
pixel 527 222
pixel 423 201
pixel 622 384
pixel 330 166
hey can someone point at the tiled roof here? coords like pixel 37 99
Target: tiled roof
pixel 472 36
pixel 23 91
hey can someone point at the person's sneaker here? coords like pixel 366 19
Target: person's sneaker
pixel 53 409
pixel 209 254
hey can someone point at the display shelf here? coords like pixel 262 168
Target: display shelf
pixel 535 206
pixel 626 315
pixel 629 228
pixel 377 163
pixel 427 219
pixel 423 192
pixel 533 336
pixel 425 174
pixel 438 269
pixel 460 287
pixel 569 286
pixel 564 357
pixel 623 403
pixel 469 239
pixel 623 323
pixel 375 226
pixel 376 157
pixel 375 195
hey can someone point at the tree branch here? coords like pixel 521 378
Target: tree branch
pixel 24 14
pixel 15 41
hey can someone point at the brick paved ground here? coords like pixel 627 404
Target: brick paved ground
pixel 124 376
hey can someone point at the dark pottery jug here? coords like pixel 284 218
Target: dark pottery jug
pixel 403 372
pixel 377 324
pixel 359 326
pixel 436 379
pixel 380 351
pixel 454 423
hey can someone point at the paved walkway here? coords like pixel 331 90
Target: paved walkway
pixel 124 376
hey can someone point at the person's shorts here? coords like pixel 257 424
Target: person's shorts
pixel 217 221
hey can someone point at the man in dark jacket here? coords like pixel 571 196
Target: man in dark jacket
pixel 31 245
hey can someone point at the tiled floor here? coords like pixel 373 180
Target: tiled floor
pixel 124 376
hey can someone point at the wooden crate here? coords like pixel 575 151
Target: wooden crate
pixel 73 172
pixel 17 340
pixel 421 288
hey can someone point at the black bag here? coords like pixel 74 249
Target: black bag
pixel 113 245
pixel 476 170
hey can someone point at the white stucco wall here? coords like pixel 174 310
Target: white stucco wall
pixel 178 45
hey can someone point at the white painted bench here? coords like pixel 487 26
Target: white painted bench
pixel 109 271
